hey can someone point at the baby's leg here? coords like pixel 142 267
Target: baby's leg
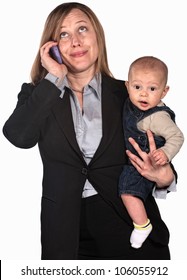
pixel 137 212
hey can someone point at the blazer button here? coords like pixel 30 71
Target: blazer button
pixel 84 171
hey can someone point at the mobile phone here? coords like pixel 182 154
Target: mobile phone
pixel 55 53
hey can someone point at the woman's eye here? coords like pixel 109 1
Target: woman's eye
pixel 82 29
pixel 64 35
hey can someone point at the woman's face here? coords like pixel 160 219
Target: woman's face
pixel 78 42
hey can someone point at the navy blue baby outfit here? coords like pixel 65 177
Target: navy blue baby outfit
pixel 131 182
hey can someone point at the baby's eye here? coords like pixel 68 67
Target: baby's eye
pixel 152 88
pixel 82 29
pixel 136 87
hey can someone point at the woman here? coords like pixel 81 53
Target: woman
pixel 73 111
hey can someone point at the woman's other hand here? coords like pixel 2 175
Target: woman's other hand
pixel 163 176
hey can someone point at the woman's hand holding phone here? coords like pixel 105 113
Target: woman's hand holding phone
pixel 51 60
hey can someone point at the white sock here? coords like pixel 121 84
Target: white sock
pixel 139 234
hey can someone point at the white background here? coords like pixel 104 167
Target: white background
pixel 133 28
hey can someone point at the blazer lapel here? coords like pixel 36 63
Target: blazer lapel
pixel 63 115
pixel 111 113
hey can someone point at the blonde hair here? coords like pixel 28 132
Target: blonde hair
pixel 150 63
pixel 51 32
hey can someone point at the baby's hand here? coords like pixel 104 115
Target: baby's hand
pixel 159 157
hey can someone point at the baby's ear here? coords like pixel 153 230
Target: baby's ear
pixel 165 91
pixel 127 84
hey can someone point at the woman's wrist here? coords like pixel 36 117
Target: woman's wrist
pixel 57 81
pixel 165 177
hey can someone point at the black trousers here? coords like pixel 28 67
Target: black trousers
pixel 104 235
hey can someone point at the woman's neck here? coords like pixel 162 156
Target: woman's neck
pixel 77 90
pixel 79 81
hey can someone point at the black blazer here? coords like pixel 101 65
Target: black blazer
pixel 42 117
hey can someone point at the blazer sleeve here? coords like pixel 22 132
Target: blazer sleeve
pixel 34 105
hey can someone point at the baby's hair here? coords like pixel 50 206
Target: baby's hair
pixel 150 63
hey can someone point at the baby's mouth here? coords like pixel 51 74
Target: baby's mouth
pixel 143 102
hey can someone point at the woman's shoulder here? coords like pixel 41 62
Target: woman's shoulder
pixel 114 83
pixel 113 80
pixel 28 85
pixel 26 89
pixel 115 86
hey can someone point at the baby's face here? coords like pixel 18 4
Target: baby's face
pixel 146 88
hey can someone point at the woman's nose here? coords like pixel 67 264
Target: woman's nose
pixel 76 41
